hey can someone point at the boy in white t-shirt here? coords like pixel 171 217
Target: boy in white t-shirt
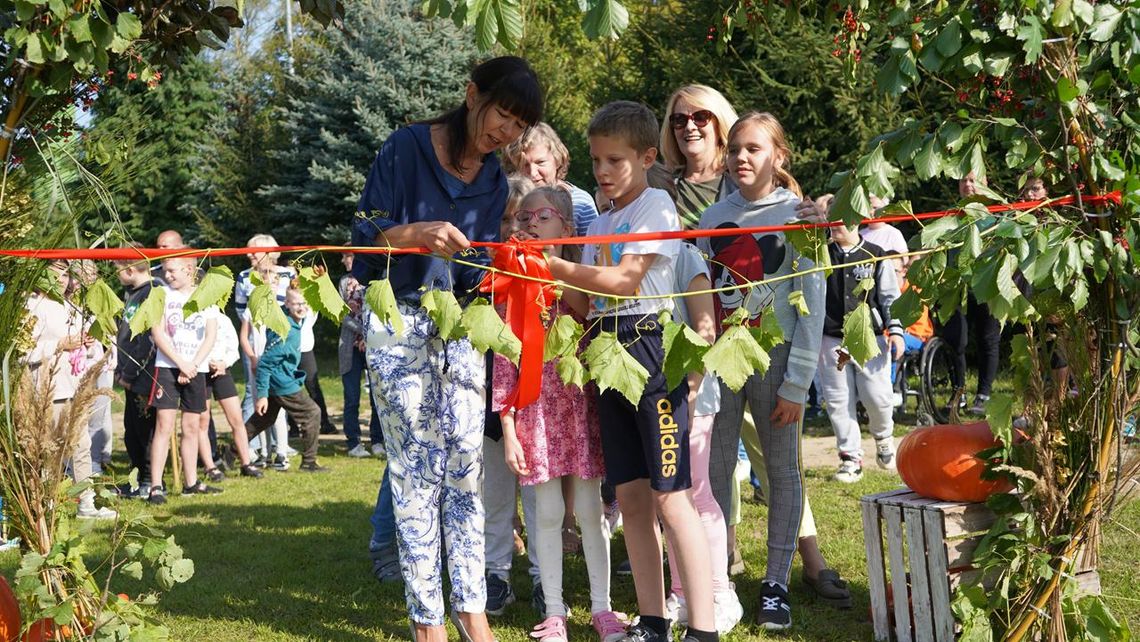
pixel 645 446
pixel 183 344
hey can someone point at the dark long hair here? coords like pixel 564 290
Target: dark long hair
pixel 507 82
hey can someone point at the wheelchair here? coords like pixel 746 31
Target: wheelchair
pixel 926 377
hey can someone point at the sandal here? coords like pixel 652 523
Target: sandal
pixel 215 474
pixel 830 588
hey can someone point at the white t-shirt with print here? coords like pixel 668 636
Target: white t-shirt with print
pixel 186 332
pixel 651 211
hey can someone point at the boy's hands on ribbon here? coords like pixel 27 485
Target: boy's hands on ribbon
pixel 786 412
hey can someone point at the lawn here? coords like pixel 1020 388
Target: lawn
pixel 285 558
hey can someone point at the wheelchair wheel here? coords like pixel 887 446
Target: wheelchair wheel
pixel 938 389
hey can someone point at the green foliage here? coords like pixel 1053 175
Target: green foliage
pixel 486 331
pixel 149 312
pixel 684 353
pixel 736 356
pixel 352 89
pixel 444 310
pixel 859 339
pixel 264 310
pixel 380 298
pixel 321 294
pixel 151 136
pixel 562 338
pixel 611 366
pixel 213 290
pixel 104 305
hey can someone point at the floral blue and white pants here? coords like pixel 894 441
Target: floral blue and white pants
pixel 430 396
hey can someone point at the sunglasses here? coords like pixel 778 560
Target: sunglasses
pixel 700 118
pixel 543 214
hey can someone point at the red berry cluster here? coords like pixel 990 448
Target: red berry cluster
pixel 849 29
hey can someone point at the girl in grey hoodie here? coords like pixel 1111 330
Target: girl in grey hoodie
pixel 757 158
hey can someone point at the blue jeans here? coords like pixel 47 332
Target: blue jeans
pixel 913 345
pixel 351 382
pixel 383 517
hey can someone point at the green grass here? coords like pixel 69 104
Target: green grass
pixel 285 559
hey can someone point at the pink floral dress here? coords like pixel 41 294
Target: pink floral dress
pixel 559 433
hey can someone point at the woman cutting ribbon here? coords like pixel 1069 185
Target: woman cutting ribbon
pixel 439 185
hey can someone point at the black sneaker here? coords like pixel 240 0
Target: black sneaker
pixel 499 595
pixel 624 568
pixel 328 429
pixel 775 609
pixel 215 475
pixel 251 471
pixel 280 463
pixel 311 467
pixel 200 488
pixel 641 633
pixel 979 405
pixel 259 461
pixel 157 495
pixel 538 600
pixel 386 565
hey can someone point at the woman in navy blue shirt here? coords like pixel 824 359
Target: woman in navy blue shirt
pixel 439 185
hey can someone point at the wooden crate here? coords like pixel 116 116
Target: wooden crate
pixel 933 542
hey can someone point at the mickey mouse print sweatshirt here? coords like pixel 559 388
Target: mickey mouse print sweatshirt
pixel 742 259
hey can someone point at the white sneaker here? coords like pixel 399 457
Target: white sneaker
pixel 885 453
pixel 90 512
pixel 288 451
pixel 727 610
pixel 378 450
pixel 849 472
pixel 359 451
pixel 676 610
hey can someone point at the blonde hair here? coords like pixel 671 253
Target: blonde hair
pixel 264 240
pixel 517 189
pixel 706 98
pixel 775 131
pixel 540 134
pixel 561 201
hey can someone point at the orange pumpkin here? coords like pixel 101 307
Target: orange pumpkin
pixel 940 462
pixel 9 612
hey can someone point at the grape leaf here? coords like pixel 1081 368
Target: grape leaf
pixel 321 294
pixel 382 300
pixel 612 366
pixel 859 335
pixel 149 312
pixel 864 285
pixel 798 302
pixel 486 330
pixel 999 414
pixel 105 305
pixel 213 289
pixel 907 308
pixel 264 310
pixel 735 356
pixel 684 353
pixel 571 371
pixel 442 307
pixel 562 338
pixel 769 333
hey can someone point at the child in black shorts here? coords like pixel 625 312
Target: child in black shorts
pixel 183 343
pixel 645 445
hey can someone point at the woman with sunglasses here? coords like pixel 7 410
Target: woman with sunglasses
pixel 438 184
pixel 694 137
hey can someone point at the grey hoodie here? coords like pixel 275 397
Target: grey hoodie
pixel 736 259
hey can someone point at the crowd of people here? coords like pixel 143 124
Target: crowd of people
pixel 459 452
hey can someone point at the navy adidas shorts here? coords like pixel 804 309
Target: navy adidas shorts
pixel 649 440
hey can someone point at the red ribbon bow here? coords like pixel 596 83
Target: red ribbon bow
pixel 526 299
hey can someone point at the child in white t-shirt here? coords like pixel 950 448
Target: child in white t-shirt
pixel 183 344
pixel 645 445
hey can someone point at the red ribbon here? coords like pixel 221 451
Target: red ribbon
pixel 526 301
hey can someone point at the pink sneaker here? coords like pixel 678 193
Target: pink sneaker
pixel 609 625
pixel 552 629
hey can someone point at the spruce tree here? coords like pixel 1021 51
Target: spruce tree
pixel 352 88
